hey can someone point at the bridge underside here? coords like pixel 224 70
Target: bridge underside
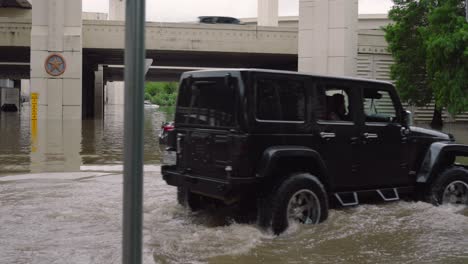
pixel 190 60
pixel 186 59
pixel 14 64
pixel 197 59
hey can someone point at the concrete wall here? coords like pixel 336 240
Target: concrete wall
pixel 94 16
pixel 366 21
pixel 195 37
pixel 16 12
pixel 15 32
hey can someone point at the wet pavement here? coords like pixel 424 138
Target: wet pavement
pixel 76 218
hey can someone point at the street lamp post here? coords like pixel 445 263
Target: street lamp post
pixel 133 132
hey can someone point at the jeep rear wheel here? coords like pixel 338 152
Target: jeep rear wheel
pixel 300 198
pixel 451 187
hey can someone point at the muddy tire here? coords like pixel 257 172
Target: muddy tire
pixel 301 197
pixel 450 187
pixel 189 200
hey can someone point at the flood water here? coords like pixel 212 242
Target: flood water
pixel 77 217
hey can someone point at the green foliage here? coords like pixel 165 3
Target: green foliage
pixel 161 93
pixel 446 44
pixel 429 42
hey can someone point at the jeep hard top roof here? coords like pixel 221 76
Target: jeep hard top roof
pixel 205 73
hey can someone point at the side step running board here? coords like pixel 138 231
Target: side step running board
pixel 351 203
pixel 395 197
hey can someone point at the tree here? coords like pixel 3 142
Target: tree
pixel 161 93
pixel 446 44
pixel 428 40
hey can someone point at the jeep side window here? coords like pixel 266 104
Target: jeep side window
pixel 334 105
pixel 280 100
pixel 378 106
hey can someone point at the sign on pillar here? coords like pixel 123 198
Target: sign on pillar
pixel 55 65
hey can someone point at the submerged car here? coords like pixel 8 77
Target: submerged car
pixel 296 144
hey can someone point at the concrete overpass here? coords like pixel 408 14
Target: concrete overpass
pixel 177 44
pixel 168 44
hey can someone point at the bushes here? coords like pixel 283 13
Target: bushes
pixel 161 93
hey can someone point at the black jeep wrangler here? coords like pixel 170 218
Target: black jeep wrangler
pixel 295 144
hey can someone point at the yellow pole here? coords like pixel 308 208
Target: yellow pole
pixel 34 98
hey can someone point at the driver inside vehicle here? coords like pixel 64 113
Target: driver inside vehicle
pixel 337 108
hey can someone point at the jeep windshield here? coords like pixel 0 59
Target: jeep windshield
pixel 207 102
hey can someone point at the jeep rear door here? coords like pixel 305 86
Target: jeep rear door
pixel 205 119
pixel 337 132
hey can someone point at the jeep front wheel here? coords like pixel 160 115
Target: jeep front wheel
pixel 451 187
pixel 300 198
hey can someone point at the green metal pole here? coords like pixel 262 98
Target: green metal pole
pixel 133 132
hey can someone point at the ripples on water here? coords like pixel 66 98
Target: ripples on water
pixel 49 218
pixel 76 217
pixel 101 141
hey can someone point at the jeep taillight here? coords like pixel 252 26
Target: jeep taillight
pixel 168 128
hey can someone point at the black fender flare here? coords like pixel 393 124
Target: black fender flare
pixel 272 155
pixel 433 160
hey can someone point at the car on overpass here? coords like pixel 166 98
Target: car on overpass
pixel 218 20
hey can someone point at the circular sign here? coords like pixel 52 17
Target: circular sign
pixel 55 65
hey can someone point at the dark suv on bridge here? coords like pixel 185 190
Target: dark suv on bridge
pixel 296 144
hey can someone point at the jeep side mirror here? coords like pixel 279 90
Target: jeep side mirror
pixel 407 118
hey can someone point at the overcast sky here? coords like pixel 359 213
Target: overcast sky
pixel 189 10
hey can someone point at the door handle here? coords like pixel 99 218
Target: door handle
pixel 327 135
pixel 370 135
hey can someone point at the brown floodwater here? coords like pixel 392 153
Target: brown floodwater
pixel 75 217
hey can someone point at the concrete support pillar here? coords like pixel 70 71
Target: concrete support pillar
pixel 267 13
pixel 115 93
pixel 99 93
pixel 328 36
pixel 56 30
pixel 56 79
pixel 117 10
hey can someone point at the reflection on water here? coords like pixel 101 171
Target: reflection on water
pixel 103 139
pixel 14 141
pixel 99 141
